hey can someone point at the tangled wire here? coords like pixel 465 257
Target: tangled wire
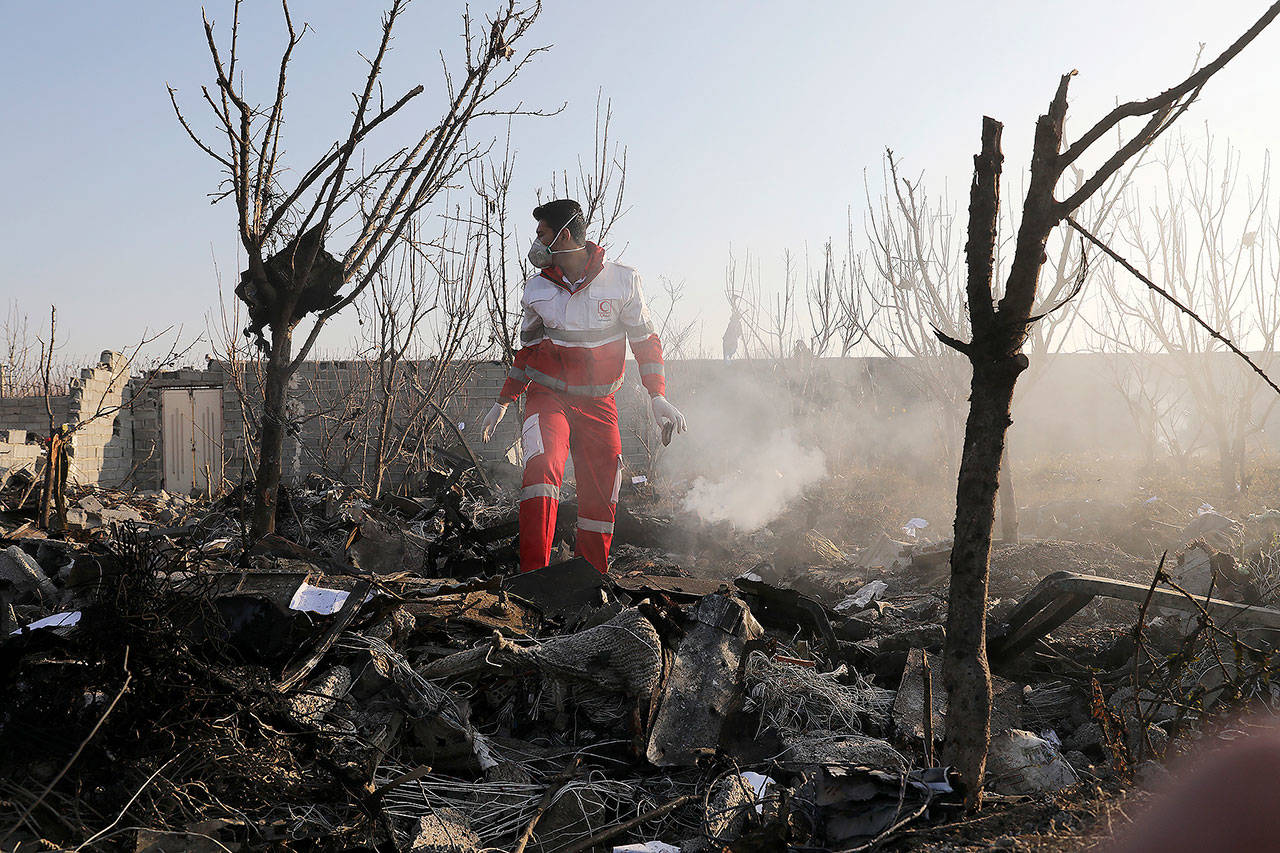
pixel 793 698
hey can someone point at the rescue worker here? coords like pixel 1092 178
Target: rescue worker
pixel 578 311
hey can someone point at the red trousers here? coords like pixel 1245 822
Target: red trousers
pixel 556 425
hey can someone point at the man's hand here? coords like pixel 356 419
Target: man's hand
pixel 664 413
pixel 491 421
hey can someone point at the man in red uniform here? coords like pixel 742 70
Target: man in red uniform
pixel 579 314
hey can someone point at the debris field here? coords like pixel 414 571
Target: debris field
pixel 377 676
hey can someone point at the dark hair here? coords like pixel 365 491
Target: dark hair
pixel 561 212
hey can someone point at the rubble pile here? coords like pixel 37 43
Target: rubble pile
pixel 376 676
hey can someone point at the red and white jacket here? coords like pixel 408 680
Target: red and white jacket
pixel 573 334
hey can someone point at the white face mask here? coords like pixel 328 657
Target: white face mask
pixel 543 256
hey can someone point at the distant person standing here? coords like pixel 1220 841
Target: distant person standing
pixel 732 332
pixel 578 311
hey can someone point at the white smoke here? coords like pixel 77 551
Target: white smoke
pixel 775 471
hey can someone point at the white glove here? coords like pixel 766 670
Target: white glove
pixel 491 421
pixel 664 412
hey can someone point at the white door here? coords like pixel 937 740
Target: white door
pixel 192 439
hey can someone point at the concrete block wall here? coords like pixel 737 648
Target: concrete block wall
pixel 15 451
pixel 333 408
pixel 30 414
pixel 100 451
pixel 1071 407
pixel 333 413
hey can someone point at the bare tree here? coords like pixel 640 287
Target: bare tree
pixel 1215 249
pixel 910 275
pixel 283 229
pixel 838 310
pixel 763 322
pixel 676 332
pixel 23 368
pixel 242 365
pixel 504 267
pixel 427 309
pixel 994 350
pixel 601 187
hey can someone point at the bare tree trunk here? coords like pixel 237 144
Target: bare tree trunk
pixel 995 352
pixel 1008 502
pixel 52 464
pixel 965 672
pixel 271 439
pixel 386 405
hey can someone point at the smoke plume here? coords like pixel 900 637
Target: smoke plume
pixel 776 473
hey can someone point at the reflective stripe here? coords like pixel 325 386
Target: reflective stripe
pixel 577 390
pixel 595 526
pixel 616 339
pixel 594 390
pixel 639 333
pixel 540 490
pixel 517 374
pixel 531 337
pixel 584 335
pixel 545 380
pixel 652 369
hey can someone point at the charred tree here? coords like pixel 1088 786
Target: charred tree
pixel 999 330
pixel 283 229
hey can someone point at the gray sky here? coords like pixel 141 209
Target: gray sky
pixel 748 123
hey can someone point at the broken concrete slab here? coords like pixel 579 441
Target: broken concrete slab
pixel 1021 763
pixel 22 576
pixel 824 747
pixel 730 804
pixel 674 587
pixel 702 687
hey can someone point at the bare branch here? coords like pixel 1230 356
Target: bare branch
pixel 1170 96
pixel 1164 294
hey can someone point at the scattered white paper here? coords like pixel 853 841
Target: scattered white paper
pixel 635 481
pixel 862 599
pixel 914 526
pixel 318 599
pixel 749 576
pixel 1204 507
pixel 57 620
pixel 761 783
pixel 1151 500
pixel 648 847
pixel 462 424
